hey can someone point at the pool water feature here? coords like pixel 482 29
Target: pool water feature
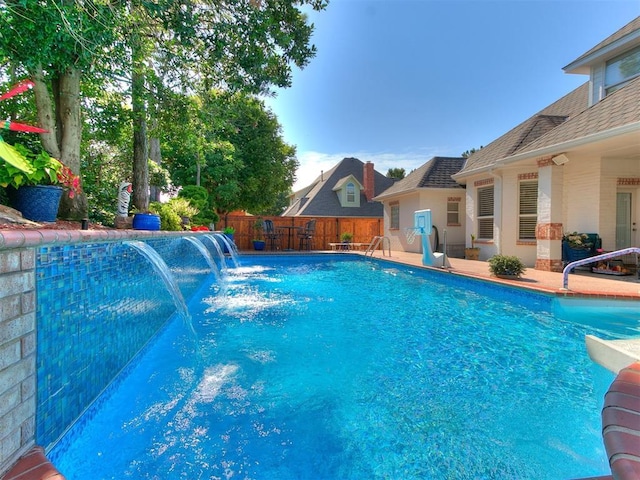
pixel 316 367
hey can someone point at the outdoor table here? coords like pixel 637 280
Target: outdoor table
pixel 291 229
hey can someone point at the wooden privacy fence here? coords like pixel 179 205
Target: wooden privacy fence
pixel 328 229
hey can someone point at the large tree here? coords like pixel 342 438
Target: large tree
pixel 232 145
pixel 54 43
pixel 246 45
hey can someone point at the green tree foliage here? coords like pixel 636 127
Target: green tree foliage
pixel 232 145
pixel 199 198
pixel 468 153
pixel 398 173
pixel 143 49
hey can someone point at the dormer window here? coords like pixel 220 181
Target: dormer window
pixel 348 191
pixel 621 69
pixel 351 193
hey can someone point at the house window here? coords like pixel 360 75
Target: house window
pixel 485 213
pixel 395 216
pixel 453 213
pixel 621 69
pixel 528 210
pixel 351 193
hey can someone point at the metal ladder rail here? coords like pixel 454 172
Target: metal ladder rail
pixel 585 261
pixel 375 242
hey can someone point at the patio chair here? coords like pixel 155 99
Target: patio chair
pixel 305 235
pixel 271 235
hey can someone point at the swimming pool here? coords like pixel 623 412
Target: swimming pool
pixel 342 368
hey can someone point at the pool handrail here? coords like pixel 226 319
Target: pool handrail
pixel 595 258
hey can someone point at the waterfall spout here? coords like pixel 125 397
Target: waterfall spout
pixel 206 254
pixel 230 246
pixel 216 245
pixel 161 268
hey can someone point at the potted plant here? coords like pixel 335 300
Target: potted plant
pixel 505 266
pixel 258 242
pixel 472 253
pixel 183 208
pixel 149 220
pixel 35 182
pixel 576 246
pixel 346 237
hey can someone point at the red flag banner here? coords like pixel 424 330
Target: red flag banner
pixel 18 89
pixel 21 127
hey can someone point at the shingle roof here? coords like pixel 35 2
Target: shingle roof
pixel 616 110
pixel 570 119
pixel 435 173
pixel 531 130
pixel 321 201
pixel 629 28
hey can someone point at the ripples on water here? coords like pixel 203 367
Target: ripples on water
pixel 350 370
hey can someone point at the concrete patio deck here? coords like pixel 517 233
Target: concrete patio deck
pixel 580 283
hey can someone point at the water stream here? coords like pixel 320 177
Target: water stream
pixel 231 247
pixel 216 245
pixel 206 254
pixel 162 269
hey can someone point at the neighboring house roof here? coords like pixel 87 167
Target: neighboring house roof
pixel 320 200
pixel 435 173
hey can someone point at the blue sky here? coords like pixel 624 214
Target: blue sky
pixel 397 82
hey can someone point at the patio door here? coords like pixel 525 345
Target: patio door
pixel 623 220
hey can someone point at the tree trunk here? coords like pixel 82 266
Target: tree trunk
pixel 46 116
pixel 140 146
pixel 155 155
pixel 62 141
pixel 70 133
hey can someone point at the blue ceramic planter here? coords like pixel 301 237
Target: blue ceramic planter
pixel 38 203
pixel 146 221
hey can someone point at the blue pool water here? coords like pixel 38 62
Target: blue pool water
pixel 322 368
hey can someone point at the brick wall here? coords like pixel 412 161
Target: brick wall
pixel 17 354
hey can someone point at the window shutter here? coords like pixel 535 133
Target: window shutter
pixel 528 210
pixel 485 202
pixel 528 198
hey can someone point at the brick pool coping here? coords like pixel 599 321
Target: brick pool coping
pixel 10 239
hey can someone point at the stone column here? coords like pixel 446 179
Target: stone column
pixel 17 354
pixel 549 229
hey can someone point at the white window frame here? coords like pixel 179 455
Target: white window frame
pixel 453 213
pixel 616 64
pixel 394 216
pixel 484 214
pixel 527 209
pixel 350 192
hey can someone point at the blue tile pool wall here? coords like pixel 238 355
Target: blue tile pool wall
pixel 97 306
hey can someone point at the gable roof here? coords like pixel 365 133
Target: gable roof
pixel 320 200
pixel 620 41
pixel 530 130
pixel 570 122
pixel 435 173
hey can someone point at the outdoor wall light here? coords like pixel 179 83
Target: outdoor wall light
pixel 560 159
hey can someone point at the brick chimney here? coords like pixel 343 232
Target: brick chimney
pixel 368 180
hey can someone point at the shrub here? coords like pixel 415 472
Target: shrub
pixel 506 265
pixel 183 207
pixel 169 219
pixel 346 237
pixel 199 198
